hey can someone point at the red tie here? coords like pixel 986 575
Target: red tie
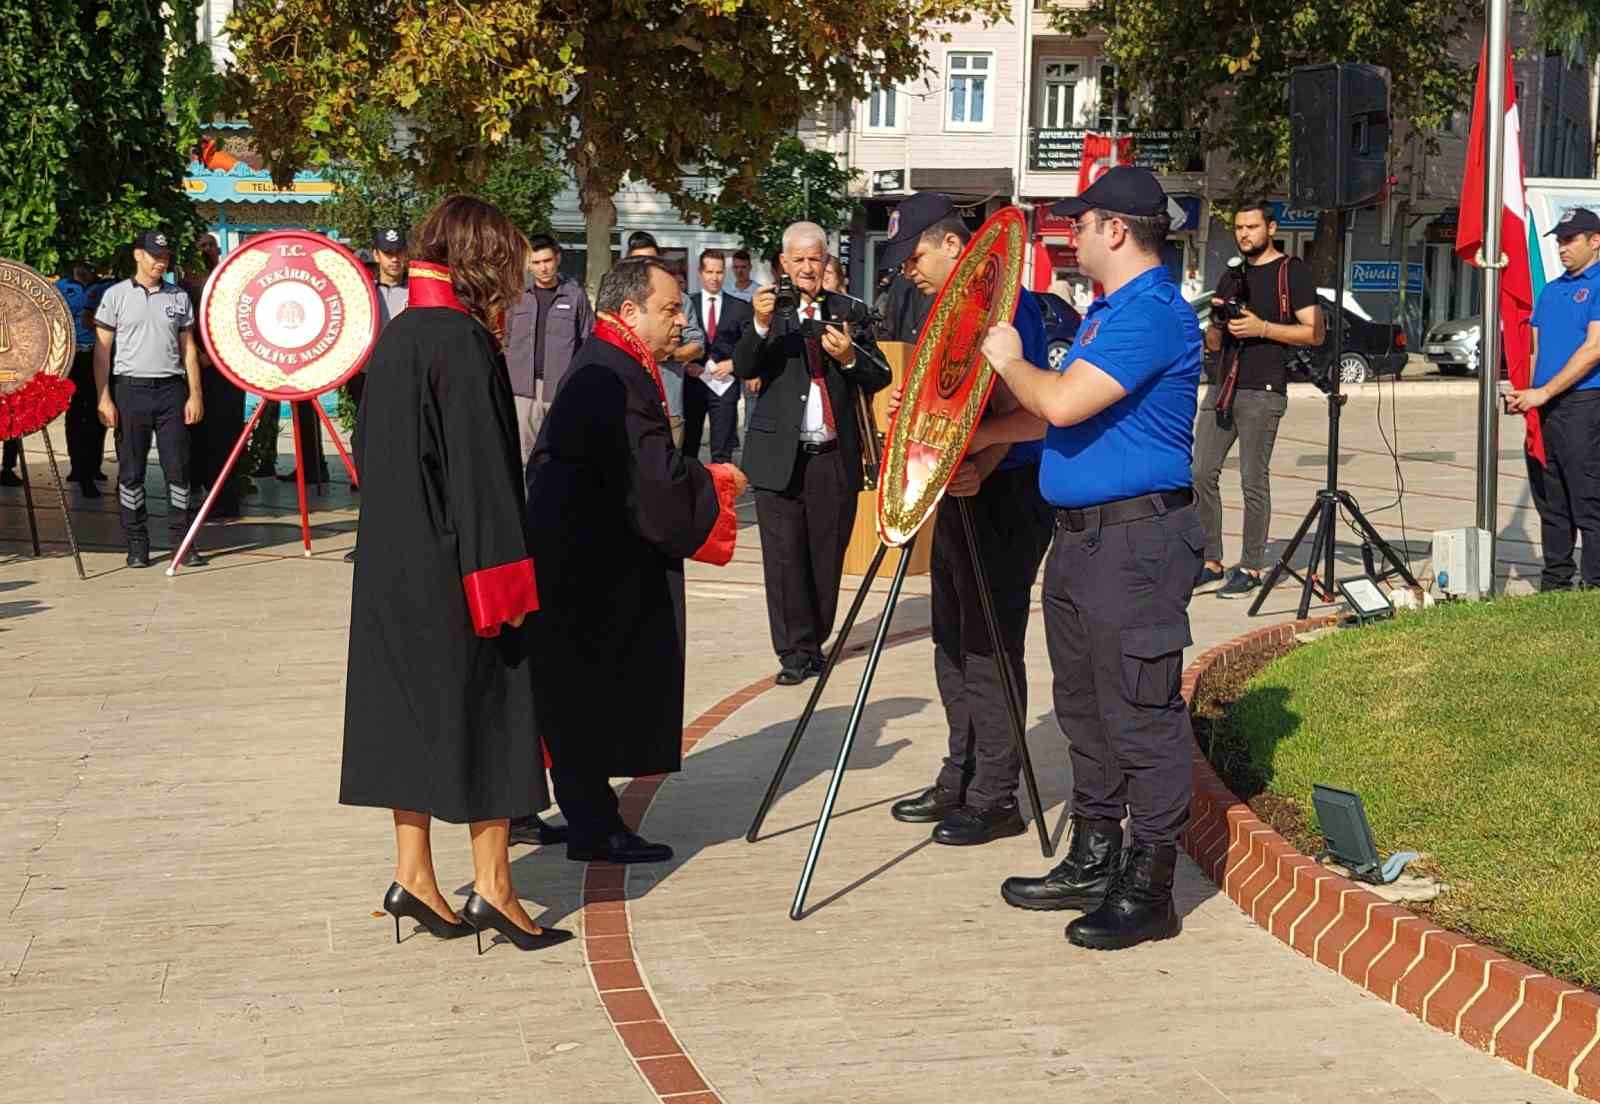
pixel 814 361
pixel 711 320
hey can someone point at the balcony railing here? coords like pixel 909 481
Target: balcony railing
pixel 1157 150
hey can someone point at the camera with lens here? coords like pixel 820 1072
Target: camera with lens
pixel 1234 292
pixel 786 296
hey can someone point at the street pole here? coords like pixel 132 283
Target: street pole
pixel 1492 262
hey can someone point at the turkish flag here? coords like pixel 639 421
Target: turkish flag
pixel 1097 161
pixel 1516 279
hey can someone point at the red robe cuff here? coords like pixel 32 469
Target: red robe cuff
pixel 718 548
pixel 495 595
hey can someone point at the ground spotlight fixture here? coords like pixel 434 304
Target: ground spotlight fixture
pixel 1347 837
pixel 1367 600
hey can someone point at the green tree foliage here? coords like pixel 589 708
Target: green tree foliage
pixel 796 184
pixel 91 154
pixel 1570 27
pixel 1222 66
pixel 377 186
pixel 639 89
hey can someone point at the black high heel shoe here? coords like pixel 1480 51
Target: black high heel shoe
pixel 480 914
pixel 400 902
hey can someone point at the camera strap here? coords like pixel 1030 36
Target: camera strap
pixel 1229 374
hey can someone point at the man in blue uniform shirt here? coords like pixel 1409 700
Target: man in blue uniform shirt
pixel 1566 392
pixel 1127 554
pixel 974 798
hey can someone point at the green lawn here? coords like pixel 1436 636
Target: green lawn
pixel 1472 733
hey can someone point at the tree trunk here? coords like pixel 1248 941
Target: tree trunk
pixel 599 219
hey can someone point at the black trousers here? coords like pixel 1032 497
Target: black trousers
pixel 1116 617
pixel 699 401
pixel 12 453
pixel 804 531
pixel 152 409
pixel 86 434
pixel 1012 522
pixel 588 802
pixel 215 437
pixel 1567 490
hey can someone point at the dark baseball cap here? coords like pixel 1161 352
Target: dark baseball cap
pixel 154 242
pixel 390 239
pixel 909 221
pixel 1124 190
pixel 1576 220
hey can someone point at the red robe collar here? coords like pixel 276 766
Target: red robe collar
pixel 429 286
pixel 614 331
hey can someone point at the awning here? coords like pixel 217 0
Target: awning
pixel 969 184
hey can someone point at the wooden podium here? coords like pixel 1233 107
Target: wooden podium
pixel 864 539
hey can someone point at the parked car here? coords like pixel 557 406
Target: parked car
pixel 1371 348
pixel 1061 320
pixel 1452 347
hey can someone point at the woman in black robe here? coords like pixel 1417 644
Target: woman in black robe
pixel 439 704
pixel 613 511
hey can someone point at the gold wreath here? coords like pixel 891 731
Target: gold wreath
pixel 898 520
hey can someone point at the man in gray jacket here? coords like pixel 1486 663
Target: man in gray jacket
pixel 543 331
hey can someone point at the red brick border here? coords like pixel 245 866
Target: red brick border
pixel 609 953
pixel 1549 1027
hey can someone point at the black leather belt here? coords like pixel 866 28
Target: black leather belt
pixel 147 381
pixel 1122 511
pixel 814 448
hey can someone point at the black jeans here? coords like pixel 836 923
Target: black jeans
pixel 86 434
pixel 1012 523
pixel 1255 426
pixel 152 409
pixel 1116 618
pixel 1567 489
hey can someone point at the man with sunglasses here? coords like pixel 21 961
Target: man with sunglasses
pixel 1126 556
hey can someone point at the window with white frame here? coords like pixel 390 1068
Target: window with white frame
pixel 1113 113
pixel 968 91
pixel 1058 90
pixel 882 111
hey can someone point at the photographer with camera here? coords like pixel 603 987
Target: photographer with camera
pixel 803 449
pixel 1265 308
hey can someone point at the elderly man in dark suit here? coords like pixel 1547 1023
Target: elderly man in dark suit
pixel 709 388
pixel 803 450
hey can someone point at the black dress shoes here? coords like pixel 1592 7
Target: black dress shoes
pixel 814 666
pixel 928 807
pixel 792 674
pixel 138 555
pixel 967 826
pixel 1081 880
pixel 1138 907
pixel 193 559
pixel 350 556
pixel 619 847
pixel 532 829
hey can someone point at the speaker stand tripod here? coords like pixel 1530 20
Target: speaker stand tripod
pixel 1324 512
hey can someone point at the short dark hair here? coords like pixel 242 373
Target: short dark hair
pixel 540 242
pixel 710 255
pixel 628 281
pixel 1149 232
pixel 1262 205
pixel 950 224
pixel 741 254
pixel 641 239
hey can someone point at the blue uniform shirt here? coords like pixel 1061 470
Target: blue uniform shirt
pixel 77 297
pixel 1035 350
pixel 1566 307
pixel 1147 338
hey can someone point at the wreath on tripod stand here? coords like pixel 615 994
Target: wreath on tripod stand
pixel 36 348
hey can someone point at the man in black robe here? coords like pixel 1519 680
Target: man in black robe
pixel 613 511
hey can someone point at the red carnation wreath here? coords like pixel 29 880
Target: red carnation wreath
pixel 36 349
pixel 39 402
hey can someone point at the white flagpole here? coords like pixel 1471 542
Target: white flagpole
pixel 1492 260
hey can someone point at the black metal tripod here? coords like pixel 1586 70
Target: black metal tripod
pixel 1008 686
pixel 1324 511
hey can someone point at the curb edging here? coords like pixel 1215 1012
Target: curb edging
pixel 1541 1024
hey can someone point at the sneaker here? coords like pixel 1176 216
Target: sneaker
pixel 1209 575
pixel 1240 583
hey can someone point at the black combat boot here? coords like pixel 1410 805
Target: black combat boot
pixel 1081 879
pixel 1138 907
